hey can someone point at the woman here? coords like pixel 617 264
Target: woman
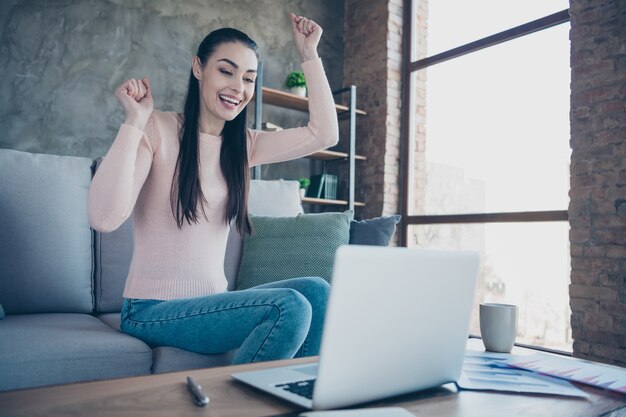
pixel 186 178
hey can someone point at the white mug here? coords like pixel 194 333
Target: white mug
pixel 498 326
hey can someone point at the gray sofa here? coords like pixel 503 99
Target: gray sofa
pixel 61 282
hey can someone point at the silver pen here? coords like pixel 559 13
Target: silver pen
pixel 198 396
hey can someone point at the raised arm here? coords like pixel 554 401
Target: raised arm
pixel 119 178
pixel 322 131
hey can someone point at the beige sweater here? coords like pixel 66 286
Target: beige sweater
pixel 136 175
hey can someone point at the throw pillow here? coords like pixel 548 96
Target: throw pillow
pixel 274 198
pixel 376 232
pixel 291 247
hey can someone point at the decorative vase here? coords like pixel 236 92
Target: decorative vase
pixel 302 193
pixel 299 91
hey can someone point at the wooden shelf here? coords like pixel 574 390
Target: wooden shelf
pixel 327 155
pixel 287 100
pixel 292 101
pixel 327 202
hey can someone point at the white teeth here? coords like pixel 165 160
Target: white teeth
pixel 230 100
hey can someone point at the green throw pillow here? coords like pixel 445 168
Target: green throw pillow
pixel 291 247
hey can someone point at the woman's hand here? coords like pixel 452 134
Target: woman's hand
pixel 306 35
pixel 136 99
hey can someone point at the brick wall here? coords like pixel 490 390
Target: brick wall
pixel 373 62
pixel 419 149
pixel 597 209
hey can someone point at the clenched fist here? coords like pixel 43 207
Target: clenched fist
pixel 136 99
pixel 306 35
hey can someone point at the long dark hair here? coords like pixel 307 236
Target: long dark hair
pixel 186 194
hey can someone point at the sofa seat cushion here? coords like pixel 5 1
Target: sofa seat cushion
pixel 170 359
pixel 112 319
pixel 45 349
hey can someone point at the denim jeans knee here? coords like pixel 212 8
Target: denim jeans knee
pixel 316 290
pixel 261 324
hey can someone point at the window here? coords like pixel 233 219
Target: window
pixel 488 134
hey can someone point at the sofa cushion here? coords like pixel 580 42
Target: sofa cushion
pixel 114 252
pixel 277 198
pixel 46 242
pixel 112 319
pixel 290 247
pixel 170 359
pixel 44 349
pixel 377 231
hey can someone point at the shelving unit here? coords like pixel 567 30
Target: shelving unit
pixel 327 155
pixel 291 101
pixel 328 202
pixel 266 95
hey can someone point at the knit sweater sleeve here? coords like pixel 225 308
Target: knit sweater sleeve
pixel 321 132
pixel 120 177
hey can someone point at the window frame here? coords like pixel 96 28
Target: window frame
pixel 408 121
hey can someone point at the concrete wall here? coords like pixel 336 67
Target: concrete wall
pixel 61 61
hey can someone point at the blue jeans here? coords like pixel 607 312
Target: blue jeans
pixel 273 321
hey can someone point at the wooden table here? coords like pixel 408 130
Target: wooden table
pixel 167 395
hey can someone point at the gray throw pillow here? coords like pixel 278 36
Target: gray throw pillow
pixel 46 246
pixel 291 247
pixel 375 232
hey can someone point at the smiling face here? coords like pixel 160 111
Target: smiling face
pixel 226 84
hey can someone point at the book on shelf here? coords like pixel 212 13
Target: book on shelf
pixel 330 187
pixel 323 186
pixel 317 185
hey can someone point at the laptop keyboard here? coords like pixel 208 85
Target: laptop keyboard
pixel 302 388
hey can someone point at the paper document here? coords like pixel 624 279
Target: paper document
pixel 579 370
pixel 488 371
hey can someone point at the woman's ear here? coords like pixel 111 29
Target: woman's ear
pixel 196 68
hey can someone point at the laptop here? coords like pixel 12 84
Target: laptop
pixel 397 321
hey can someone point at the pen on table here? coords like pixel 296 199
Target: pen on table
pixel 198 396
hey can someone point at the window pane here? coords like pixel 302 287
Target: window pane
pixel 496 129
pixel 526 264
pixel 453 23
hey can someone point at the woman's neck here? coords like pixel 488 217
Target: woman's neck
pixel 209 124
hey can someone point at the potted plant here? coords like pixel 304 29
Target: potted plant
pixel 296 83
pixel 304 183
